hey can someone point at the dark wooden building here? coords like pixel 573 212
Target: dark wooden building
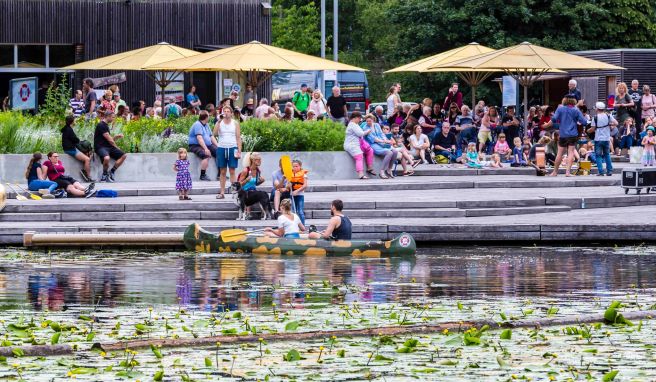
pixel 37 37
pixel 597 85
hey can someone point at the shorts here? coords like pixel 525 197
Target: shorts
pixel 484 136
pixel 73 152
pixel 111 152
pixel 294 235
pixel 64 181
pixel 566 142
pixel 200 153
pixel 226 157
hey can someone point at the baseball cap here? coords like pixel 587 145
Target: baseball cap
pixel 303 85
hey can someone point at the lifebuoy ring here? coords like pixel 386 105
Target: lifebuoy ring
pixel 24 92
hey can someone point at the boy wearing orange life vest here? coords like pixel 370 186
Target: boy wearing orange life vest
pixel 299 183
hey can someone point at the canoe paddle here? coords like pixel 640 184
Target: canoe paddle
pixel 32 195
pixel 228 233
pixel 286 163
pixel 18 195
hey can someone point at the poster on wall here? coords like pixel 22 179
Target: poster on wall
pixel 174 90
pixel 509 91
pixel 23 93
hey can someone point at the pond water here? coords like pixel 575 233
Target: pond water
pixel 54 281
pixel 82 299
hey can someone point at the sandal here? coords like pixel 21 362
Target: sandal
pixel 220 196
pixel 364 177
pixel 371 172
pixel 187 198
pixel 408 173
pixel 382 175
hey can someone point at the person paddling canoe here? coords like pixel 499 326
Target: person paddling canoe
pixel 289 224
pixel 339 226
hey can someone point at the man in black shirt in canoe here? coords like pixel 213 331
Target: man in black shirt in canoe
pixel 339 226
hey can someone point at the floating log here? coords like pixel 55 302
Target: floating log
pixel 368 332
pixel 52 350
pixel 34 239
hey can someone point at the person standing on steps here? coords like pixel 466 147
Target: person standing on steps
pixel 601 125
pixel 229 148
pixel 339 226
pixel 569 116
pixel 105 146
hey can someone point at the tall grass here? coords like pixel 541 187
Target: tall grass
pixel 25 134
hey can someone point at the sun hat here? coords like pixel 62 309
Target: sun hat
pixel 600 106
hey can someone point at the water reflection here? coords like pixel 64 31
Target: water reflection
pixel 219 283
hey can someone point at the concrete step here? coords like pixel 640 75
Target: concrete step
pixel 515 211
pixel 33 217
pixel 389 213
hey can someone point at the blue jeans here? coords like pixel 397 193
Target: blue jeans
pixel 626 142
pixel 602 152
pixel 299 204
pixel 36 185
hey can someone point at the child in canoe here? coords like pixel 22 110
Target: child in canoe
pixel 289 224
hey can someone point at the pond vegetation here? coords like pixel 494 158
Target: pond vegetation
pixel 312 299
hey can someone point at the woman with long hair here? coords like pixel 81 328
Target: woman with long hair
pixel 488 124
pixel 249 179
pixel 36 177
pixel 623 103
pixel 56 172
pixel 393 99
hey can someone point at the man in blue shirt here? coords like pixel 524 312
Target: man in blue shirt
pixel 202 143
pixel 569 116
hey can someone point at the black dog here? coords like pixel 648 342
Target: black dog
pixel 249 198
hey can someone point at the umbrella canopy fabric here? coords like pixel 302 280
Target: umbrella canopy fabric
pixel 136 59
pixel 251 57
pixel 473 77
pixel 424 65
pixel 527 57
pixel 526 63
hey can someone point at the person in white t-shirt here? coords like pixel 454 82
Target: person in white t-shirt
pixel 289 224
pixel 393 99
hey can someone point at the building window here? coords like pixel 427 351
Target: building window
pixel 36 57
pixel 61 55
pixel 6 56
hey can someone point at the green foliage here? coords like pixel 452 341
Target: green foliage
pixel 295 135
pixel 57 97
pixel 296 27
pixel 383 34
pixel 24 134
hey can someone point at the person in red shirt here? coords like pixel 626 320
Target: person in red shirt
pixel 454 96
pixel 56 173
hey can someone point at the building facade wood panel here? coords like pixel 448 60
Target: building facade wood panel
pixel 105 27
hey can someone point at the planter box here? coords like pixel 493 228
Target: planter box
pixel 158 167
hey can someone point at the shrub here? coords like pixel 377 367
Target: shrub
pixel 24 134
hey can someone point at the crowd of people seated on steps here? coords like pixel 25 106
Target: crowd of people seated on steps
pixel 453 134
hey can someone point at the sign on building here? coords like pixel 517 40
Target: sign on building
pixel 23 93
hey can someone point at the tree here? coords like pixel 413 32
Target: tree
pixel 296 27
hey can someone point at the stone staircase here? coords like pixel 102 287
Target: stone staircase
pixel 441 199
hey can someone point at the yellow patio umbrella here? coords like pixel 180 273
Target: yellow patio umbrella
pixel 473 77
pixel 527 62
pixel 139 59
pixel 260 60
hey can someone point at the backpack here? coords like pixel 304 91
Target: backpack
pixel 172 111
pixel 106 194
pixel 85 147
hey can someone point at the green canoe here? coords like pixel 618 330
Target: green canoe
pixel 196 238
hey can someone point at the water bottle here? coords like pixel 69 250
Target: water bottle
pixel 583 203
